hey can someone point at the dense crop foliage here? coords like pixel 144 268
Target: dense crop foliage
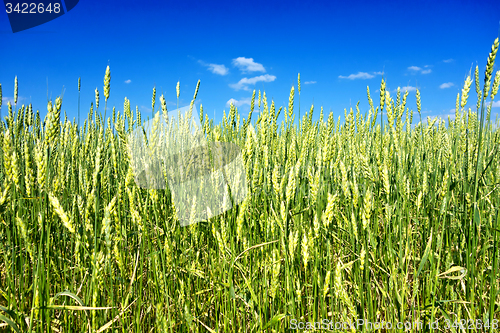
pixel 383 221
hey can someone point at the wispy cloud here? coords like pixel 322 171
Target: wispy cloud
pixel 240 102
pixel 11 99
pixel 310 82
pixel 496 104
pixel 416 69
pixel 218 69
pixel 360 75
pixel 448 61
pixel 128 81
pixel 448 113
pixel 446 85
pixel 247 65
pixel 145 108
pixel 215 68
pixel 408 88
pixel 245 82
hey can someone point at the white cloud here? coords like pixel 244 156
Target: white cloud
pixel 247 65
pixel 446 85
pixel 408 88
pixel 239 103
pixel 11 99
pixel 496 104
pixel 244 82
pixel 145 108
pixel 218 69
pixel 416 69
pixel 448 60
pixel 128 81
pixel 445 114
pixel 359 75
pixel 215 68
pixel 310 82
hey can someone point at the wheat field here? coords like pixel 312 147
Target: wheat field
pixel 388 222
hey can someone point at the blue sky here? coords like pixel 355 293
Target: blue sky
pixel 339 48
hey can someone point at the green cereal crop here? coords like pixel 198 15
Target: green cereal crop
pixel 348 220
